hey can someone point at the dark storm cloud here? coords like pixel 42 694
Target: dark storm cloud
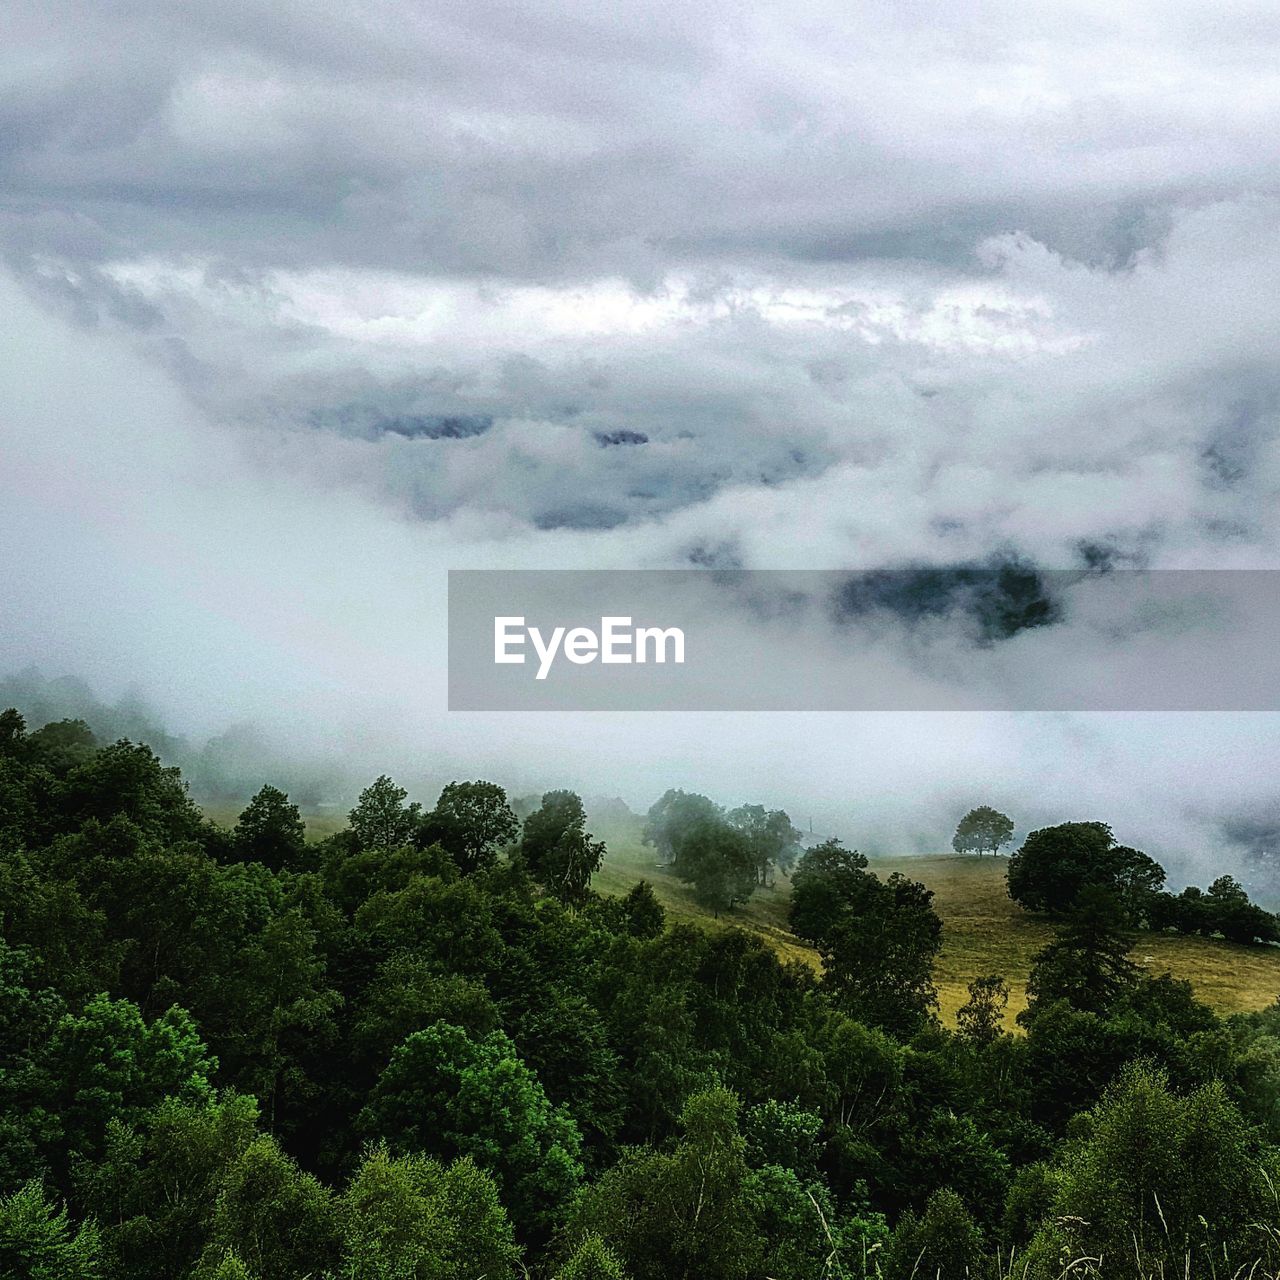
pixel 525 140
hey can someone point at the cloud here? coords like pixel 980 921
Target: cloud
pixel 871 414
pixel 148 546
pixel 310 304
pixel 508 139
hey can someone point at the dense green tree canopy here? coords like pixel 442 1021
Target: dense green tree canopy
pixel 412 1050
pixel 449 1094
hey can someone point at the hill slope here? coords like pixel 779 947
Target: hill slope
pixel 983 930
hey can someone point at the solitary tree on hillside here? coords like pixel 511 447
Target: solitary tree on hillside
pixel 982 830
pixel 672 817
pixel 719 862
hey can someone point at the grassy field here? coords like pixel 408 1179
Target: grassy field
pixel 983 930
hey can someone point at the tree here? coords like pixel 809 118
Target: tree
pixel 558 848
pixel 411 1218
pixel 277 1220
pixel 829 882
pixel 1158 1182
pixel 271 831
pixel 682 1215
pixel 784 1134
pixel 981 1019
pixel 645 915
pixel 471 821
pixel 408 994
pixel 592 1260
pixel 107 1063
pixel 982 829
pixel 879 964
pixel 719 862
pixel 877 938
pixel 1230 913
pixel 449 1094
pixel 804 1232
pixel 127 779
pixel 62 745
pixel 672 816
pixel 13 732
pixel 381 820
pixel 944 1244
pixel 564 1041
pixel 157 1184
pixel 37 1241
pixel 1087 964
pixel 769 832
pixel 227 1267
pixel 1055 864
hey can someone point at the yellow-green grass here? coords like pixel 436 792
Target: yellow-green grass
pixel 983 931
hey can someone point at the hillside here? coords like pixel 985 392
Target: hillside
pixel 983 930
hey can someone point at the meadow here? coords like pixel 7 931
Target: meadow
pixel 984 931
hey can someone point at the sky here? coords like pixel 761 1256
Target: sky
pixel 306 304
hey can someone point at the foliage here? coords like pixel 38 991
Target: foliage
pixel 271 831
pixel 877 938
pixel 1225 909
pixel 38 1241
pixel 278 1219
pixel 683 1215
pixel 592 1260
pixel 472 821
pixel 983 829
pixel 981 1020
pixel 771 838
pixel 1056 864
pixel 412 1218
pixel 943 1243
pixel 558 848
pixel 1087 964
pixel 1160 1180
pixel 201 1030
pixel 381 820
pixel 158 1182
pixel 449 1094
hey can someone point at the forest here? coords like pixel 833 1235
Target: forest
pixel 424 1047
